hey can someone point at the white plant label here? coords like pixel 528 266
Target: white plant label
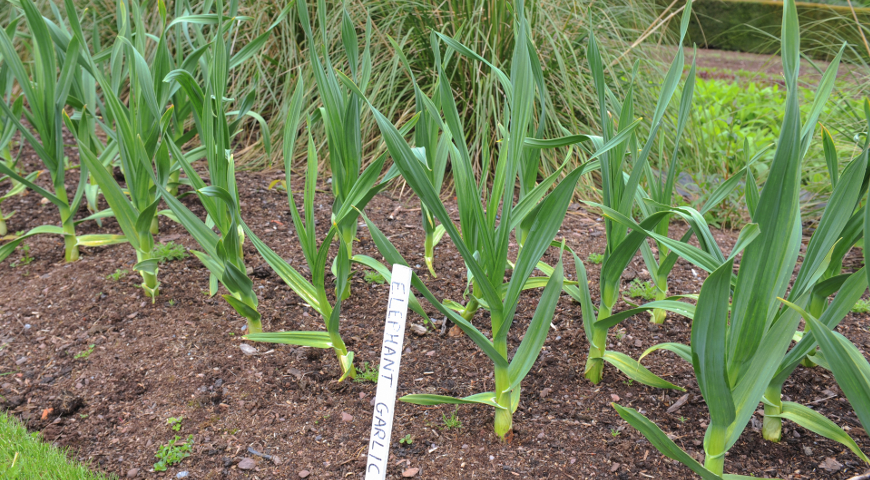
pixel 388 376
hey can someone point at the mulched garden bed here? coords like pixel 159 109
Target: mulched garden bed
pixel 181 357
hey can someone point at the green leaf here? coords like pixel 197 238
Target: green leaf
pixel 708 345
pixel 637 372
pixel 486 398
pixel 539 326
pixel 8 248
pixel 849 367
pixel 661 441
pixel 148 266
pixel 302 339
pixel 680 308
pixel 100 240
pixel 837 213
pixel 818 423
pixel 682 351
pixel 241 307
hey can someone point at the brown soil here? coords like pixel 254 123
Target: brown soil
pixel 757 67
pixel 181 357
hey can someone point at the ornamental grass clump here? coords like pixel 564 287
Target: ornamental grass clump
pixel 743 325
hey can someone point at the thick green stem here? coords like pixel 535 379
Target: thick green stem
pixel 3 229
pixel 471 309
pixel 149 279
pixel 714 449
pixel 155 227
pixel 503 416
pixel 771 427
pixel 595 360
pixel 348 235
pixel 71 247
pixel 345 358
pixel 429 253
pixel 173 182
pixel 658 314
pixel 254 325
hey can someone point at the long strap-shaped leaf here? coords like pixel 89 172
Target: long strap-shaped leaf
pixel 849 366
pixel 661 441
pixel 818 423
pixel 539 326
pixel 708 345
pixel 769 258
pixel 391 255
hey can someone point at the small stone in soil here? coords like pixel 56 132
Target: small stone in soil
pixel 132 472
pixel 304 474
pixel 614 397
pixel 183 474
pixel 419 330
pixel 247 349
pixel 410 472
pixel 614 467
pixel 247 464
pixel 830 464
pixel 346 417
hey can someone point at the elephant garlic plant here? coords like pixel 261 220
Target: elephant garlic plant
pixel 138 139
pixel 340 114
pixel 222 253
pixel 620 193
pixel 314 292
pixel 744 324
pixel 52 83
pixel 486 233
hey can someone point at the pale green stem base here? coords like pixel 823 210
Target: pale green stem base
pixel 255 326
pixel 715 450
pixel 173 181
pixel 595 360
pixel 503 422
pixel 71 248
pixel 3 229
pixel 429 254
pixel 70 242
pixel 771 427
pixel 149 280
pixel 155 226
pixel 658 314
pixel 150 285
pixel 471 309
pixel 345 360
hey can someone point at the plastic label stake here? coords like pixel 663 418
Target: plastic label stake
pixel 388 376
